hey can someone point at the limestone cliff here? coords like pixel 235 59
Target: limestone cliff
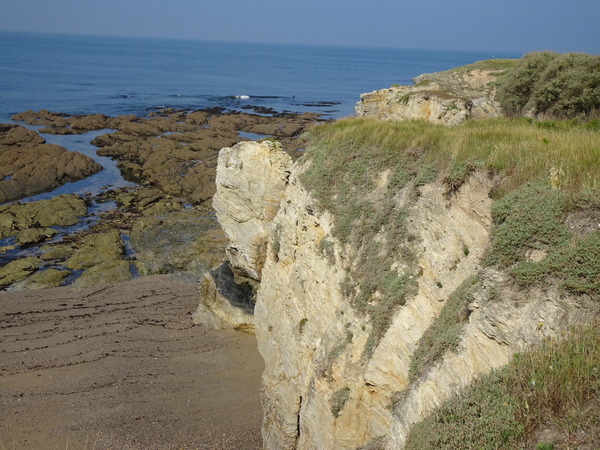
pixel 446 98
pixel 319 390
pixel 251 179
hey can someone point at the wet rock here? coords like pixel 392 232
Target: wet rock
pixel 56 252
pixel 45 279
pixel 106 272
pixel 31 236
pixel 62 210
pixel 89 122
pixel 18 270
pixel 18 135
pixel 178 242
pixel 42 117
pixel 197 118
pixel 97 249
pixel 28 166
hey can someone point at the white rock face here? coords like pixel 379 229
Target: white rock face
pixel 251 178
pixel 312 340
pixel 304 323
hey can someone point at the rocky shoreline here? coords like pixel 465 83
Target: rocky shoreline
pixel 165 224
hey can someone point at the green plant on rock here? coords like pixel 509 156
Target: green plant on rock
pixel 338 401
pixel 444 333
pixel 528 218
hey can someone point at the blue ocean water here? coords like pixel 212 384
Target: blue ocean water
pixel 112 76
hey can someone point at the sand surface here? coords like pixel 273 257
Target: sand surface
pixel 121 366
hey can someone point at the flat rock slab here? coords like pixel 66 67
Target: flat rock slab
pixel 122 366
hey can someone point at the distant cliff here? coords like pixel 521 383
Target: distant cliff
pixel 446 98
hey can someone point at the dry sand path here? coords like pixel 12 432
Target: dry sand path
pixel 121 366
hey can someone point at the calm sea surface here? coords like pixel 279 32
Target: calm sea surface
pixel 112 76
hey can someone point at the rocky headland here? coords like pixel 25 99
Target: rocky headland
pixel 384 282
pixel 446 98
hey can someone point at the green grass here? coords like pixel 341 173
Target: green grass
pixel 488 64
pixel 542 168
pixel 445 332
pixel 556 385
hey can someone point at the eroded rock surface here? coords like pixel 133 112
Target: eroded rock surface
pixel 251 179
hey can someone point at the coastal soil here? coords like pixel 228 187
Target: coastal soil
pixel 122 366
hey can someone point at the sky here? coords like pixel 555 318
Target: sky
pixel 496 25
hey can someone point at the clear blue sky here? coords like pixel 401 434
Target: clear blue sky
pixel 512 25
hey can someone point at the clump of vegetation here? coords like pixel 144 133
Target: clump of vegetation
pixel 404 99
pixel 302 324
pixel 555 385
pixel 576 264
pixel 338 401
pixel 559 86
pixel 528 218
pixel 532 218
pixel 358 166
pixel 444 333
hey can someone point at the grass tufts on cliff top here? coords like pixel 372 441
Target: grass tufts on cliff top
pixel 555 386
pixel 358 167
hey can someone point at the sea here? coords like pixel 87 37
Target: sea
pixel 124 75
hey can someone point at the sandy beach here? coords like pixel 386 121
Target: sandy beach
pixel 122 366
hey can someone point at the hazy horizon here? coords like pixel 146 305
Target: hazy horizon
pixel 465 25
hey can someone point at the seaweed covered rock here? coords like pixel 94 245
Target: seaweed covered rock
pixel 28 166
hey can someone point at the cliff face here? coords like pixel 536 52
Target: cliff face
pixel 318 389
pixel 446 98
pixel 251 179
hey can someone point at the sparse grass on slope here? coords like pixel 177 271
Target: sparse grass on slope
pixel 556 385
pixel 358 166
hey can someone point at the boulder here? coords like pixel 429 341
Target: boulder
pixel 97 249
pixel 18 270
pixel 105 272
pixel 224 304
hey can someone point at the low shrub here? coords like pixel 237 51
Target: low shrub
pixel 561 86
pixel 556 384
